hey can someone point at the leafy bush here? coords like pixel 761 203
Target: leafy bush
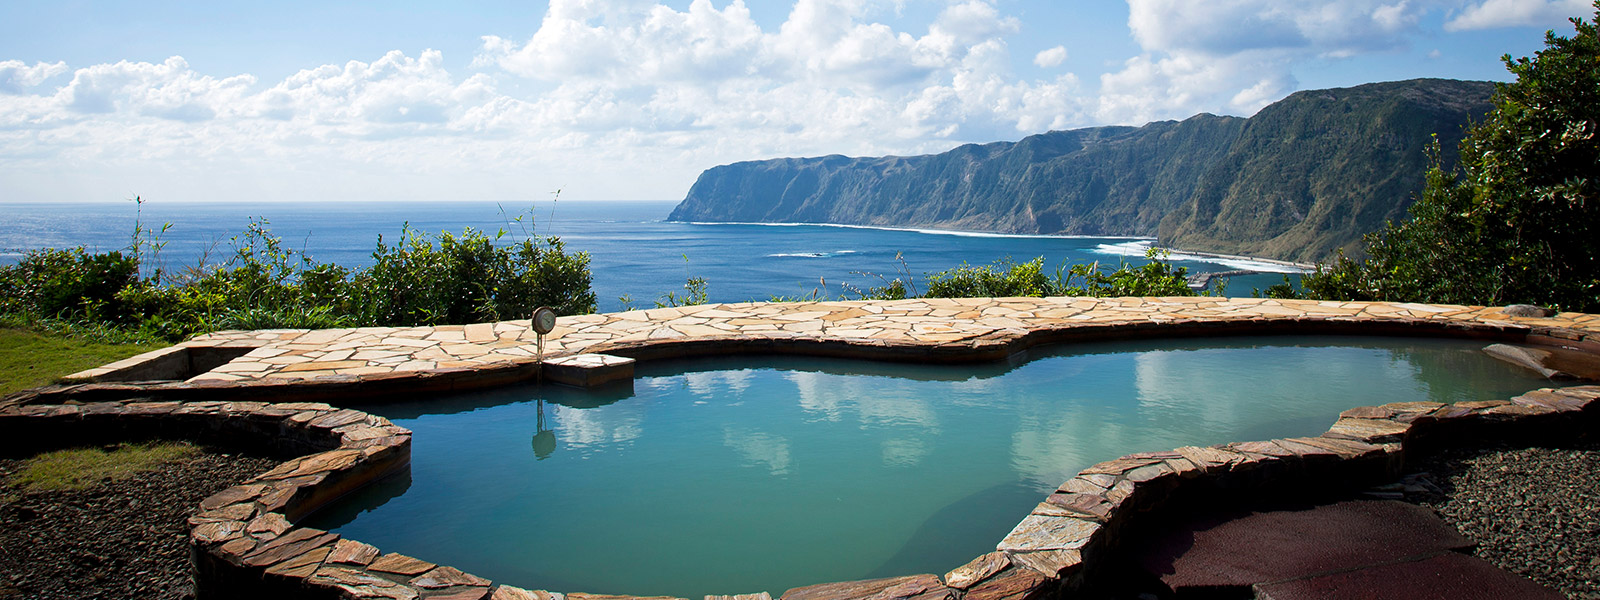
pixel 68 284
pixel 469 279
pixel 1516 221
pixel 1155 278
pixel 418 281
pixel 1007 278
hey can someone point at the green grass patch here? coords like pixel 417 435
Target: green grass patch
pixel 31 358
pixel 83 468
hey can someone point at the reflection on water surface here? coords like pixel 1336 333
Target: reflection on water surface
pixel 720 476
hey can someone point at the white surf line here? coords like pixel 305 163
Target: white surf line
pixel 955 232
pixel 1246 263
pixel 811 254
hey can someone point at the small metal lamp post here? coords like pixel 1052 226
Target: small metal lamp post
pixel 543 322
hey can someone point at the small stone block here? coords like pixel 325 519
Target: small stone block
pixel 443 577
pixel 506 592
pixel 289 545
pixel 271 522
pixel 587 370
pixel 1120 492
pixel 238 547
pixel 338 418
pixel 400 564
pixel 1087 505
pixel 1012 584
pixel 1150 472
pixel 1118 466
pixel 233 495
pixel 1264 449
pixel 1083 485
pixel 1348 449
pixel 243 511
pixel 1549 399
pixel 361 585
pixel 463 593
pixel 1588 392
pixel 1368 430
pixel 1103 480
pixel 1413 408
pixel 1039 532
pixel 1185 468
pixel 1476 404
pixel 979 569
pixel 1367 412
pixel 1450 412
pixel 348 551
pixel 1049 563
pixel 1211 459
pixel 919 587
pixel 303 565
pixel 1304 450
pixel 1518 410
pixel 217 532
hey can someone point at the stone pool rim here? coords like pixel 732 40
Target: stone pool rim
pixel 245 538
pixel 595 349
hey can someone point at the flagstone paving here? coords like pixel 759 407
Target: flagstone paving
pixel 246 537
pixel 863 326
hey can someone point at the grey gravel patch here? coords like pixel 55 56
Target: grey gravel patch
pixel 1533 511
pixel 121 539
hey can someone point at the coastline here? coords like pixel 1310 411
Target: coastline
pixel 1142 242
pixel 927 230
pixel 1272 261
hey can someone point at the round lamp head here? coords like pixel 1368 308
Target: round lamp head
pixel 544 320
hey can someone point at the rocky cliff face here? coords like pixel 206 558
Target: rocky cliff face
pixel 1304 176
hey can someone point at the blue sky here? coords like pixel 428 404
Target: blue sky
pixel 632 99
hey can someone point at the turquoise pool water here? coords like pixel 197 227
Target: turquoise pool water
pixel 723 476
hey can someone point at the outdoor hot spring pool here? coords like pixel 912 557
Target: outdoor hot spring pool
pixel 739 475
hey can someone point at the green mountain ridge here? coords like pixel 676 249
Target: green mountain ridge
pixel 1305 176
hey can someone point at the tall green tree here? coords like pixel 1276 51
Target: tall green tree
pixel 1518 219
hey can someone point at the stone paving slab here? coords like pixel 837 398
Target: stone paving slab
pixel 904 329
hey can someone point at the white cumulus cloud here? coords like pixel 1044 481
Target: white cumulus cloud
pixel 1051 58
pixel 1234 56
pixel 16 76
pixel 1491 14
pixel 634 98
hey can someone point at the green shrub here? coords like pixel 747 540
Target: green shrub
pixel 67 284
pixel 469 279
pixel 422 280
pixel 1516 221
pixel 1155 278
pixel 1007 278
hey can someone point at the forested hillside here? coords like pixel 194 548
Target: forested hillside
pixel 1304 176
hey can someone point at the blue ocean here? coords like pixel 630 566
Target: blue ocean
pixel 634 252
